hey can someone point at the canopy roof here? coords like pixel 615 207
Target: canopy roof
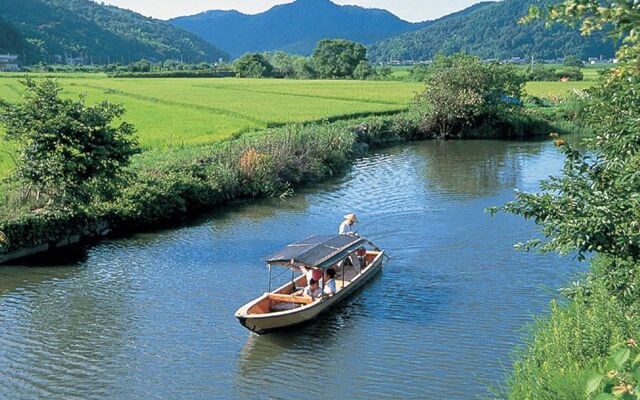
pixel 317 251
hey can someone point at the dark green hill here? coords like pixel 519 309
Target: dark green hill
pixel 296 27
pixel 492 32
pixel 11 41
pixel 49 28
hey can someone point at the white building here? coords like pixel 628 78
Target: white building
pixel 9 62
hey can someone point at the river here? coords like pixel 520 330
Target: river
pixel 151 316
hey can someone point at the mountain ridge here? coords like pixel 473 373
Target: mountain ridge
pixel 306 22
pixel 60 28
pixel 493 32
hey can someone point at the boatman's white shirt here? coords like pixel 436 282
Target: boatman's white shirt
pixel 346 229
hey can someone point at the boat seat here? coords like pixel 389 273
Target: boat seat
pixel 290 299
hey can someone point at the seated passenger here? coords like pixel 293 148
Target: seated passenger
pixel 330 284
pixel 311 273
pixel 312 290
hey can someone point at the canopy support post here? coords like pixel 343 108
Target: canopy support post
pixel 269 278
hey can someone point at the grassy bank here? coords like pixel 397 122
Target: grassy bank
pixel 170 184
pixel 575 341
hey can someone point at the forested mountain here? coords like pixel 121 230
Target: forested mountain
pixel 11 41
pixel 493 32
pixel 44 29
pixel 296 27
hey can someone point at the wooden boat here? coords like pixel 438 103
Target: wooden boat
pixel 284 307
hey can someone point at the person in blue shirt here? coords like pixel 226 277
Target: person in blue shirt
pixel 330 282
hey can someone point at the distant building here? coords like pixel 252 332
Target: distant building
pixel 9 62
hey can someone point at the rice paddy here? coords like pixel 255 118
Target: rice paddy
pixel 556 89
pixel 176 112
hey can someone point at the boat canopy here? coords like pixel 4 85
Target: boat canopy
pixel 317 251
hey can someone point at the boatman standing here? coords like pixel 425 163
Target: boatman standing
pixel 346 227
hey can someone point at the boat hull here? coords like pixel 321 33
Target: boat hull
pixel 268 322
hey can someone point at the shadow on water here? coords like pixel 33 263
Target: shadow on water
pixel 32 271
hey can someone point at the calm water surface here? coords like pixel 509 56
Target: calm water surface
pixel 151 316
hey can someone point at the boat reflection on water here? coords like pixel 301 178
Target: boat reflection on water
pixel 315 343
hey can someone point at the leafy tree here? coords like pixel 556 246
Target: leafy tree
pixel 363 71
pixel 171 65
pixel 541 72
pixel 283 64
pixel 419 72
pixel 594 206
pixel 461 91
pixel 338 58
pixel 67 150
pixel 141 66
pixel 303 68
pixel 203 66
pixel 573 61
pixel 253 65
pixel 618 18
pixel 384 71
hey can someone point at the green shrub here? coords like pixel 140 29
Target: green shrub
pixel 462 93
pixel 253 65
pixel 67 150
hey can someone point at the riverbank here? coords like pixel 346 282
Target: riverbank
pixel 121 308
pixel 167 186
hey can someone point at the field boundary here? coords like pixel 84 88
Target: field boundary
pixel 350 99
pixel 151 99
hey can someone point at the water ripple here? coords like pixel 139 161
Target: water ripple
pixel 151 316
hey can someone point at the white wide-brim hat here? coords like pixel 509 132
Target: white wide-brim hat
pixel 351 217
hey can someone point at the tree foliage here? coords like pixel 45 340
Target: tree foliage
pixel 594 206
pixel 572 61
pixel 337 58
pixel 541 72
pixel 363 71
pixel 67 150
pixel 461 91
pixel 492 33
pixel 593 209
pixel 253 65
pixel 98 33
pixel 620 20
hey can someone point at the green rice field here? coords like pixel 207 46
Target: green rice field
pixel 556 89
pixel 185 112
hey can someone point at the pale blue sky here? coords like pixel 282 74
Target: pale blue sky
pixel 410 10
